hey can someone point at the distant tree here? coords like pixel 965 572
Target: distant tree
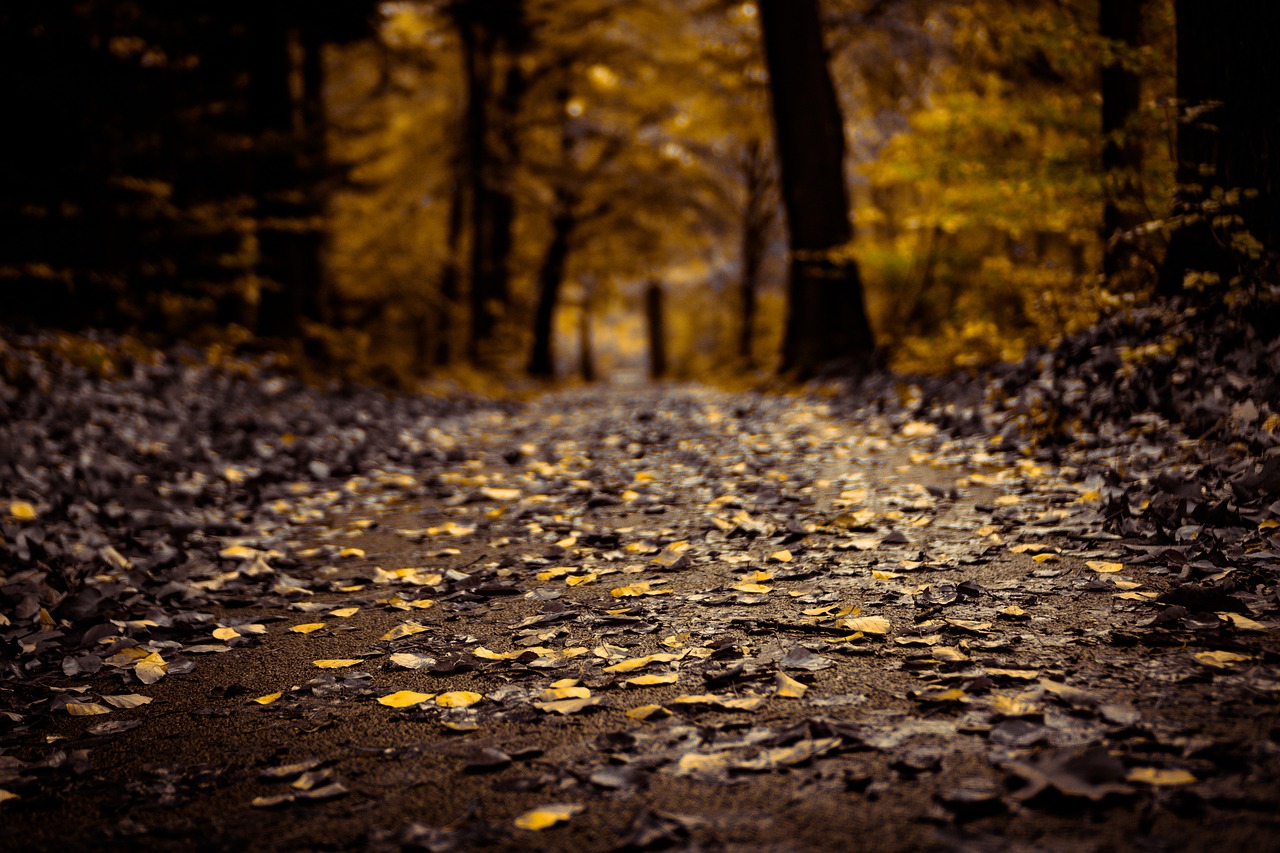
pixel 1120 25
pixel 827 325
pixel 1227 210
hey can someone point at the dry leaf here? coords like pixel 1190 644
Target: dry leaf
pixel 547 816
pixel 1221 660
pixel 458 699
pixel 867 624
pixel 344 612
pixel 405 698
pixel 405 629
pixel 225 633
pixel 268 699
pixel 151 668
pixel 308 628
pixel 644 712
pixel 1104 567
pixel 651 680
pixel 339 663
pixel 1157 776
pixel 127 700
pixel 86 709
pixel 789 688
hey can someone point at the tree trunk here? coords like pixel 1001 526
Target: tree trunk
pixel 756 220
pixel 275 175
pixel 542 362
pixel 655 321
pixel 1120 22
pixel 827 327
pixel 1228 140
pixel 586 351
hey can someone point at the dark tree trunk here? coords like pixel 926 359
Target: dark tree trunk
pixel 542 361
pixel 315 169
pixel 756 221
pixel 655 321
pixel 450 290
pixel 1228 139
pixel 586 350
pixel 1120 22
pixel 494 33
pixel 276 176
pixel 827 326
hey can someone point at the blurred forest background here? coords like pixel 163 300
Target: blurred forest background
pixel 402 189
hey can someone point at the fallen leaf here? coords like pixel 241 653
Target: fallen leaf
pixel 781 556
pixel 225 633
pixel 127 700
pixel 268 699
pixel 1242 623
pixel 644 712
pixel 756 588
pixel 1104 567
pixel 351 553
pixel 553 694
pixel 22 511
pixel 651 680
pixel 458 699
pixel 308 628
pixel 545 817
pixel 867 624
pixel 151 668
pixel 339 663
pixel 789 688
pixel 405 698
pixel 86 709
pixel 405 629
pixel 632 664
pixel 412 660
pixel 1158 776
pixel 344 612
pixel 1221 660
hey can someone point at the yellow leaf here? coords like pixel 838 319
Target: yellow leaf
pixel 405 629
pixel 637 663
pixel 495 494
pixel 308 628
pixel 404 698
pixel 949 654
pixel 86 709
pixel 1136 596
pixel 350 553
pixel 555 694
pixel 867 624
pixel 1013 611
pixel 1242 623
pixel 1008 500
pixel 5 796
pixel 1157 776
pixel 225 633
pixel 547 816
pixel 344 612
pixel 238 552
pixel 637 589
pixel 22 511
pixel 644 712
pixel 127 700
pixel 882 575
pixel 1045 558
pixel 756 588
pixel 650 680
pixel 337 663
pixel 781 556
pixel 1104 567
pixel 458 699
pixel 789 688
pixel 1221 660
pixel 575 580
pixel 151 669
pixel 1011 706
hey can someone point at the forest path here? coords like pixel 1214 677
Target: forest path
pixel 674 616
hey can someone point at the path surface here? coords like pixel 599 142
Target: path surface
pixel 673 617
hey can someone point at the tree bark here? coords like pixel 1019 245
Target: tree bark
pixel 542 362
pixel 1228 139
pixel 655 321
pixel 827 327
pixel 1120 22
pixel 757 218
pixel 586 350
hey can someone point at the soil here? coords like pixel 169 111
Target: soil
pixel 1017 682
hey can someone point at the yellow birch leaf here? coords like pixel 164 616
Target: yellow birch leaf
pixel 756 588
pixel 789 688
pixel 5 796
pixel 1008 500
pixel 308 628
pixel 555 694
pixel 651 680
pixel 547 816
pixel 127 700
pixel 22 511
pixel 1105 567
pixel 337 663
pixel 458 699
pixel 1011 706
pixel 576 580
pixel 949 654
pixel 344 612
pixel 86 709
pixel 867 624
pixel 1242 623
pixel 882 575
pixel 350 553
pixel 268 699
pixel 151 669
pixel 637 663
pixel 404 698
pixel 1158 776
pixel 644 712
pixel 225 633
pixel 1045 558
pixel 781 556
pixel 1221 660
pixel 405 629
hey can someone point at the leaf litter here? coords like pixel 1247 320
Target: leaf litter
pixel 954 631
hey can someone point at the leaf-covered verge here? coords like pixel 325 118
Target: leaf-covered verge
pixel 1170 411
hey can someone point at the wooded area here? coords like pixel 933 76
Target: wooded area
pixel 398 189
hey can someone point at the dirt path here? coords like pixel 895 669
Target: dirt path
pixel 674 617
